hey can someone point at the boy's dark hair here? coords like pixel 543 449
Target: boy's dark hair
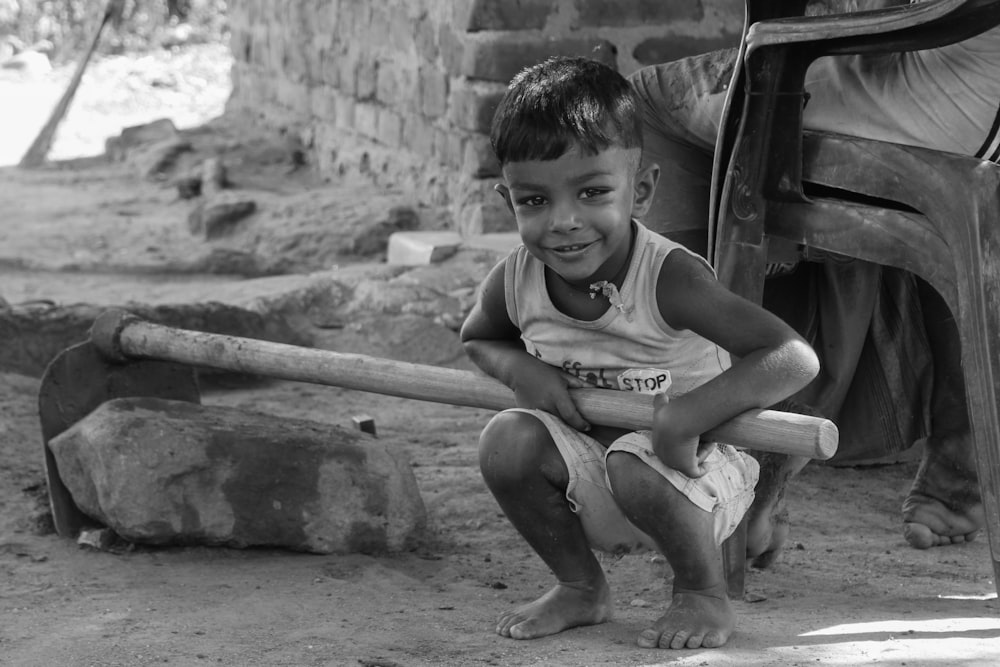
pixel 562 102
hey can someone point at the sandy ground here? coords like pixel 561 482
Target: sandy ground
pixel 847 590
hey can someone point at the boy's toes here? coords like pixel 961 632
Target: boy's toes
pixel 504 624
pixel 713 640
pixel 649 639
pixel 524 630
pixel 679 640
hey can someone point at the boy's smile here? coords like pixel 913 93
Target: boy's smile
pixel 574 213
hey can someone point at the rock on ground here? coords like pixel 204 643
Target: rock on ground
pixel 171 472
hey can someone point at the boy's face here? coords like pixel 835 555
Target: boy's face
pixel 573 213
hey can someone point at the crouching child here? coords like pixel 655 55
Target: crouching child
pixel 591 298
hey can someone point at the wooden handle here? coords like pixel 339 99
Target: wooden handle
pixel 121 336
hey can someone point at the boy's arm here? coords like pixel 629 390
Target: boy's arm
pixel 770 360
pixel 494 344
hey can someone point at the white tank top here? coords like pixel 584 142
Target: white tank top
pixel 630 348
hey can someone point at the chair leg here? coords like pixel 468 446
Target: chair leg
pixel 734 561
pixel 981 362
pixel 975 249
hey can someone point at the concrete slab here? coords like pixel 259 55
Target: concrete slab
pixel 422 247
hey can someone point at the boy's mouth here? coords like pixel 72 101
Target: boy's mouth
pixel 575 247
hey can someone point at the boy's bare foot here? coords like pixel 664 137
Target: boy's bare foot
pixel 943 506
pixel 693 620
pixel 565 606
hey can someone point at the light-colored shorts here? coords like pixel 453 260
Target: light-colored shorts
pixel 726 490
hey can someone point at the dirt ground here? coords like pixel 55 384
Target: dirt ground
pixel 846 590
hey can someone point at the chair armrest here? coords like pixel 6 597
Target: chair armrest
pixel 912 27
pixel 853 24
pixel 759 149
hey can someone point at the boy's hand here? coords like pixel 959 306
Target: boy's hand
pixel 687 457
pixel 543 387
pixel 676 448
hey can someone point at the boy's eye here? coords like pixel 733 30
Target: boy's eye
pixel 533 200
pixel 590 193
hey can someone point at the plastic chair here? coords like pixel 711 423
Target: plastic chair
pixel 950 240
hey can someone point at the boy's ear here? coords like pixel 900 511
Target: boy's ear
pixel 644 189
pixel 504 192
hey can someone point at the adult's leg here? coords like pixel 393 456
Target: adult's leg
pixel 944 504
pixel 830 304
pixel 897 98
pixel 526 474
pixel 681 103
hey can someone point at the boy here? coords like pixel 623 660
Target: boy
pixel 593 298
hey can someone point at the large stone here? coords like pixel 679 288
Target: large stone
pixel 219 215
pixel 118 148
pixel 159 159
pixel 170 472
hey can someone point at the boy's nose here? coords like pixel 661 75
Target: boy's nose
pixel 565 217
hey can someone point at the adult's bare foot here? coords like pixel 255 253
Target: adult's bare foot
pixel 943 506
pixel 693 620
pixel 927 522
pixel 565 606
pixel 766 534
pixel 767 518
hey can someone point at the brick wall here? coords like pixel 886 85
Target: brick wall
pixel 403 90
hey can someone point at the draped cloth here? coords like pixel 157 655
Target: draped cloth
pixel 866 324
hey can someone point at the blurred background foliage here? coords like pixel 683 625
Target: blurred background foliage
pixel 64 28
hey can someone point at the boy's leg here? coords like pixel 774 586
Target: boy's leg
pixel 700 613
pixel 526 474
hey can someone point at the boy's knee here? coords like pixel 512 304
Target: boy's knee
pixel 511 445
pixel 621 469
pixel 634 483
